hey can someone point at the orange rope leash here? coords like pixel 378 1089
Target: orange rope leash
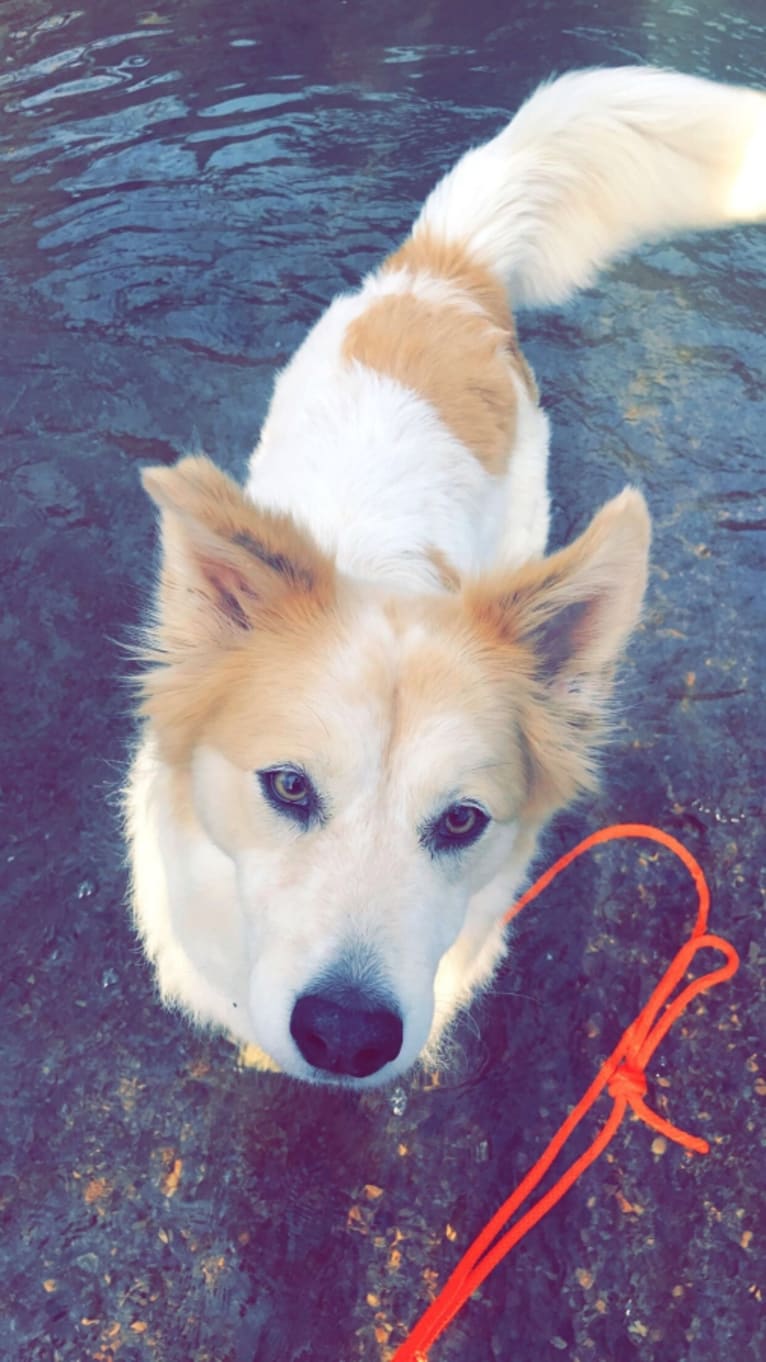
pixel 622 1075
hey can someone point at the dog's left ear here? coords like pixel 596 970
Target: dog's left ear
pixel 559 627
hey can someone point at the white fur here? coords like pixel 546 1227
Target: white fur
pixel 237 912
pixel 597 162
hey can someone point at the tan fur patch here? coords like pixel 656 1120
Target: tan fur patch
pixel 451 358
pixel 425 253
pixel 448 683
pixel 555 629
pixel 218 544
pixel 451 261
pixel 448 573
pixel 459 360
pixel 224 692
pixel 432 681
pixel 232 576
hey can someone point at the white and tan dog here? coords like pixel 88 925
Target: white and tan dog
pixel 369 688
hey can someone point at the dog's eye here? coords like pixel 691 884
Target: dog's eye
pixel 458 826
pixel 290 791
pixel 460 820
pixel 290 787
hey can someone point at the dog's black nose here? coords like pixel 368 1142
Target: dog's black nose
pixel 345 1033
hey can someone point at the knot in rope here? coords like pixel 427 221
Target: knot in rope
pixel 628 1081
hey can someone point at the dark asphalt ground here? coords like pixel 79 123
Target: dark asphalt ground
pixel 183 191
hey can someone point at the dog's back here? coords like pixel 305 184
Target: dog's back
pixel 406 433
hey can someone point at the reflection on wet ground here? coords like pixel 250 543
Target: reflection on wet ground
pixel 183 190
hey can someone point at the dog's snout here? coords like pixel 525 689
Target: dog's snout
pixel 349 1034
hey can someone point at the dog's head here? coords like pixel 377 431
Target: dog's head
pixel 375 767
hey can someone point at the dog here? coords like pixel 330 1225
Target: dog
pixel 367 687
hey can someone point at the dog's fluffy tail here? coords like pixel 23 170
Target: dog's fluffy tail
pixel 595 162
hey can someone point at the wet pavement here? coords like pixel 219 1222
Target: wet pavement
pixel 182 192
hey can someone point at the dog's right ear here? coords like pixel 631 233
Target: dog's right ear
pixel 226 563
